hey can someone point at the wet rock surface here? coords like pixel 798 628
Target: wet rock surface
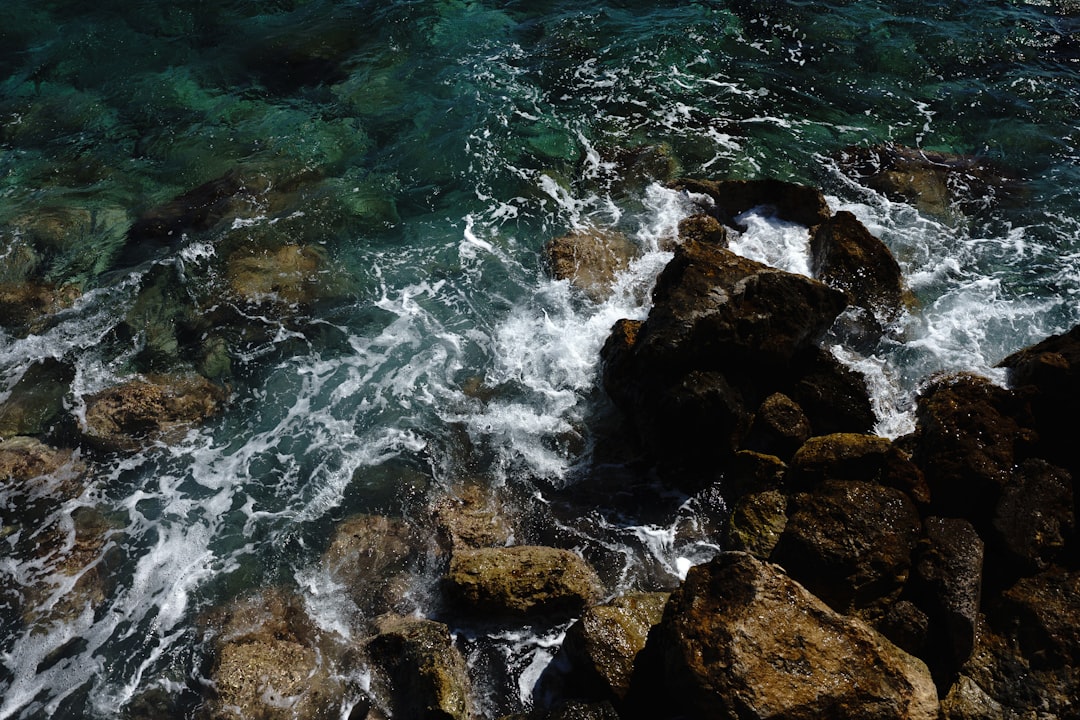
pixel 128 417
pixel 740 639
pixel 590 259
pixel 521 580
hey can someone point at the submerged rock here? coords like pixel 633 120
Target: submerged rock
pixel 37 399
pixel 603 644
pixel 934 181
pixel 590 259
pixel 425 675
pixel 26 307
pixel 757 522
pixel 740 639
pixel 521 580
pixel 373 557
pixel 137 413
pixel 290 274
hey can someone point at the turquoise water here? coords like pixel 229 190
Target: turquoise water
pixel 421 153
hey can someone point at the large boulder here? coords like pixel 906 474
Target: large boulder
pixel 1034 521
pixel 137 413
pixel 603 644
pixel 846 256
pixel 850 543
pixel 740 639
pixel 713 308
pixel 590 259
pixel 522 580
pixel 857 456
pixel 270 661
pixel 970 436
pixel 423 673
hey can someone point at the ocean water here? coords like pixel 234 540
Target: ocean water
pixel 420 153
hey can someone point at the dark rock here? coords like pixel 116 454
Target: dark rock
pixel 372 556
pixel 521 580
pixel 934 181
pixel 750 472
pixel 846 256
pixel 971 434
pixel 1034 519
pixel 947 584
pixel 834 397
pixel 855 456
pixel 36 399
pixel 757 522
pixel 788 201
pixel 779 428
pixel 1049 372
pixel 137 413
pixel 619 373
pixel 704 229
pixel 906 626
pixel 740 639
pixel 590 259
pixel 1026 656
pixel 425 674
pixel 604 642
pixel 850 543
pixel 271 662
pixel 713 308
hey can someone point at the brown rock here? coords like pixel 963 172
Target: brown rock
pixel 25 307
pixel 1034 519
pixel 779 428
pixel 856 456
pixel 703 228
pixel 850 543
pixel 425 675
pixel 969 435
pixel 137 413
pixel 751 472
pixel 271 662
pixel 742 640
pixel 604 642
pixel 757 522
pixel 834 397
pixel 36 399
pixel 470 517
pixel 290 274
pixel 590 259
pixel 521 580
pixel 846 256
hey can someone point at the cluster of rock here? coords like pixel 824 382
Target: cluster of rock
pixel 931 576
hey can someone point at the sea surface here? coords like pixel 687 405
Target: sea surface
pixel 421 153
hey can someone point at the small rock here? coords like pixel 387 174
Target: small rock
pixel 521 580
pixel 425 674
pixel 604 642
pixel 779 428
pixel 757 522
pixel 590 259
pixel 740 639
pixel 704 229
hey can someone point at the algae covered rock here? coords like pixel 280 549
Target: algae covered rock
pixel 139 412
pixel 290 274
pixel 372 555
pixel 740 639
pixel 757 522
pixel 37 399
pixel 521 580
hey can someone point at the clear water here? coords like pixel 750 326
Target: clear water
pixel 429 149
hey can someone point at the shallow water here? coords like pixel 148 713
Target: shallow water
pixel 429 150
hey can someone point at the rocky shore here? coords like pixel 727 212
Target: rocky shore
pixel 931 576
